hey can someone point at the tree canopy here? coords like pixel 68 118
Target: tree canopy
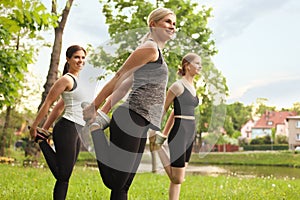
pixel 20 22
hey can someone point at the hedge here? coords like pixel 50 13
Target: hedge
pixel 266 147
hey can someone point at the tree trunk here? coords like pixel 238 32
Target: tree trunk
pixel 4 132
pixel 56 50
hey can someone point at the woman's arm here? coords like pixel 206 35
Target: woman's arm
pixel 161 137
pixel 56 90
pixel 146 53
pixel 117 95
pixel 137 59
pixel 56 112
pixel 169 99
pixel 169 124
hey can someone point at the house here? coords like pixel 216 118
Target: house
pixel 294 131
pixel 269 120
pixel 246 130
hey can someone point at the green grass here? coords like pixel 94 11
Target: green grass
pixel 17 182
pixel 275 158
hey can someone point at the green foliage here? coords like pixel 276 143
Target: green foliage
pixel 263 147
pixel 16 121
pixel 20 22
pixel 296 107
pixel 262 107
pixel 239 114
pixel 228 125
pixel 236 134
pixel 281 139
pixel 13 66
pixel 261 140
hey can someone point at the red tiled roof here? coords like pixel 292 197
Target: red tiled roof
pixel 271 118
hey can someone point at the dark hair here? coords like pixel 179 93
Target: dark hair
pixel 187 59
pixel 69 53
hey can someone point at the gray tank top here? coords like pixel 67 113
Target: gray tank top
pixel 147 96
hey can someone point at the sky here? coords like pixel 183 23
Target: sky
pixel 258 46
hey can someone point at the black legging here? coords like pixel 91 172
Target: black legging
pixel 61 161
pixel 119 158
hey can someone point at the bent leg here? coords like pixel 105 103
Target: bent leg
pixel 50 157
pixel 119 160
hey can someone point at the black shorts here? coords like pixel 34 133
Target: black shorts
pixel 180 141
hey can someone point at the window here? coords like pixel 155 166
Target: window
pixel 298 136
pixel 297 124
pixel 270 123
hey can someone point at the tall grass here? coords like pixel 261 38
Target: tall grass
pixel 17 182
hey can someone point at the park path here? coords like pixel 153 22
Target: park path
pixel 146 166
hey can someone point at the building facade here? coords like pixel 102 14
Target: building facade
pixel 293 131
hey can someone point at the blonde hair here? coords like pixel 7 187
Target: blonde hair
pixel 187 59
pixel 156 15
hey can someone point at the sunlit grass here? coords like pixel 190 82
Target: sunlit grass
pixel 275 158
pixel 17 182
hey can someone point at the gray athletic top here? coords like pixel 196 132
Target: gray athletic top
pixel 147 96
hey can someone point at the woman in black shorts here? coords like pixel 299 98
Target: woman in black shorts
pixel 181 121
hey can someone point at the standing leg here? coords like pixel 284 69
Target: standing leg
pixel 178 175
pixel 66 143
pixel 180 148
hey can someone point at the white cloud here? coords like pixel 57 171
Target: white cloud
pixel 281 92
pixel 233 17
pixel 242 90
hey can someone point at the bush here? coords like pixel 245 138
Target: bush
pixel 261 140
pixel 281 139
pixel 265 147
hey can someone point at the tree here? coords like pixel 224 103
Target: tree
pixel 239 114
pixel 56 49
pixel 21 21
pixel 262 107
pixel 296 107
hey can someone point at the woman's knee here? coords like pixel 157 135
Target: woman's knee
pixel 177 179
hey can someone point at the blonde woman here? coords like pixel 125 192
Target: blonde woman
pixel 146 73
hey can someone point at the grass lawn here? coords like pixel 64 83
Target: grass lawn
pixel 270 158
pixel 17 182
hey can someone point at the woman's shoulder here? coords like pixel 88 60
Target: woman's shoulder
pixel 177 87
pixel 149 44
pixel 178 83
pixel 65 80
pixel 148 49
